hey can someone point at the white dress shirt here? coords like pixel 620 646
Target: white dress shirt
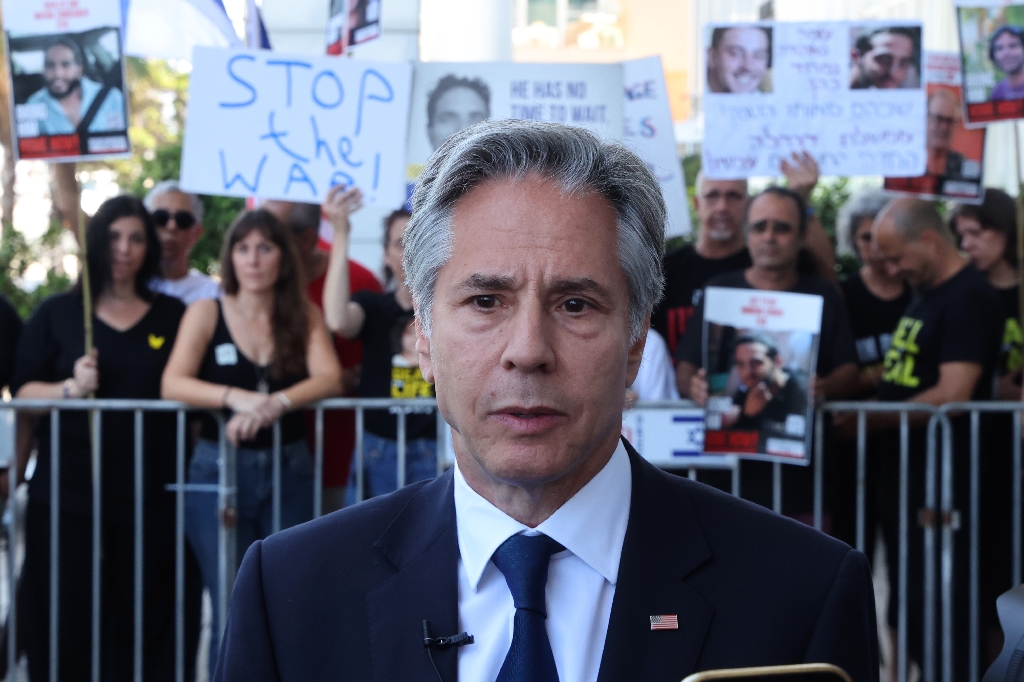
pixel 581 580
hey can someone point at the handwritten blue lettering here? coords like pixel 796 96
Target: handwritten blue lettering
pixel 364 97
pixel 235 77
pixel 320 142
pixel 276 136
pixel 342 178
pixel 337 84
pixel 288 64
pixel 238 177
pixel 297 174
pixel 344 149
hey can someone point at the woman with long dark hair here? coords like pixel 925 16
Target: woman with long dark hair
pixel 259 353
pixel 134 330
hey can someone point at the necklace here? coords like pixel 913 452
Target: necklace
pixel 262 378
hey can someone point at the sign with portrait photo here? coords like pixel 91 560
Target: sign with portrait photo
pixel 849 93
pixel 351 23
pixel 67 79
pixel 992 55
pixel 761 348
pixel 955 153
pixel 290 127
pixel 447 97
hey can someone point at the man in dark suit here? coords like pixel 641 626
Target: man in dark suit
pixel 534 258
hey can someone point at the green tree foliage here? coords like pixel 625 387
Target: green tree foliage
pixel 16 253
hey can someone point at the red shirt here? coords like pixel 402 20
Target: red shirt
pixel 339 426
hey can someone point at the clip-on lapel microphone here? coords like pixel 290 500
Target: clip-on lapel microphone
pixel 429 643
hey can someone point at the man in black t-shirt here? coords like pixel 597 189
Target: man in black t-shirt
pixel 943 350
pixel 720 246
pixel 776 225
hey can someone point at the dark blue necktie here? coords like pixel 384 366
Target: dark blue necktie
pixel 523 559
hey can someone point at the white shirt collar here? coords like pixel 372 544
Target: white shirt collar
pixel 591 524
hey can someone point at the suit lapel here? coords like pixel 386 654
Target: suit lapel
pixel 663 544
pixel 422 545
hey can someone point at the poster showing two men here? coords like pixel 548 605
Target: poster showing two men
pixel 67 74
pixel 760 350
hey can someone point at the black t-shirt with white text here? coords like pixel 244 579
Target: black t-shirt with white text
pixel 686 274
pixel 1011 356
pixel 960 320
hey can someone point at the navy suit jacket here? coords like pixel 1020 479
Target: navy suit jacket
pixel 344 597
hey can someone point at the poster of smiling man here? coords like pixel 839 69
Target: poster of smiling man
pixel 992 54
pixel 67 79
pixel 760 350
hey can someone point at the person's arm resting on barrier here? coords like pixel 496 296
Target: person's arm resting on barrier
pixel 344 317
pixel 956 385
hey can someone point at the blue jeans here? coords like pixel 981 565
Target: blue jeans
pixel 255 480
pixel 380 465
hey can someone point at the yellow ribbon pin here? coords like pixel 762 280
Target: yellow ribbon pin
pixel 156 342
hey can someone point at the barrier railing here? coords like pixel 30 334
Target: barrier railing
pixel 939 500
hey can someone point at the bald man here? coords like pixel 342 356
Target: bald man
pixel 944 350
pixel 943 121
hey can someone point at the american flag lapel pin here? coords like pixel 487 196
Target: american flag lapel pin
pixel 665 622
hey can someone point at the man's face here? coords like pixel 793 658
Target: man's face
pixel 456 109
pixel 943 115
pixel 720 207
pixel 174 241
pixel 752 363
pixel 739 62
pixel 888 62
pixel 60 71
pixel 1009 53
pixel 773 225
pixel 530 349
pixel 912 261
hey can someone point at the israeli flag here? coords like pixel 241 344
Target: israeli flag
pixel 169 29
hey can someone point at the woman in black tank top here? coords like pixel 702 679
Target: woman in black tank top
pixel 258 354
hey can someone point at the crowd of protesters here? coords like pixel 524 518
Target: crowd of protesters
pixel 930 315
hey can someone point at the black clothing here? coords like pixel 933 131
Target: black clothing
pixel 835 348
pixel 131 364
pixel 958 321
pixel 10 330
pixel 872 319
pixel 750 589
pixel 381 377
pixel 226 365
pixel 1011 355
pixel 771 420
pixel 686 273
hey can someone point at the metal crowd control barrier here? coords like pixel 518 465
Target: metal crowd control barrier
pixel 938 498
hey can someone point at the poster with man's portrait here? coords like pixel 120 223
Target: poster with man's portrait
pixel 760 351
pixel 67 79
pixel 739 59
pixel 955 153
pixel 351 23
pixel 992 55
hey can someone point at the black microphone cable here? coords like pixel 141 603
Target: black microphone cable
pixel 429 642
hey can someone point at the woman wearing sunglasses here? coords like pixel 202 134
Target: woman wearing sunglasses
pixel 259 353
pixel 178 217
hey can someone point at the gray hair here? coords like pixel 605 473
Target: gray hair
pixel 168 186
pixel 866 204
pixel 577 161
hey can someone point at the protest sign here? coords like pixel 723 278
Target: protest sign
pixel 955 155
pixel 291 127
pixel 760 351
pixel 849 93
pixel 448 97
pixel 67 79
pixel 992 54
pixel 352 22
pixel 649 132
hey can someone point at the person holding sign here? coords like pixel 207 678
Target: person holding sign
pixel 69 97
pixel 776 226
pixel 886 58
pixel 379 320
pixel 739 59
pixel 943 350
pixel 769 392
